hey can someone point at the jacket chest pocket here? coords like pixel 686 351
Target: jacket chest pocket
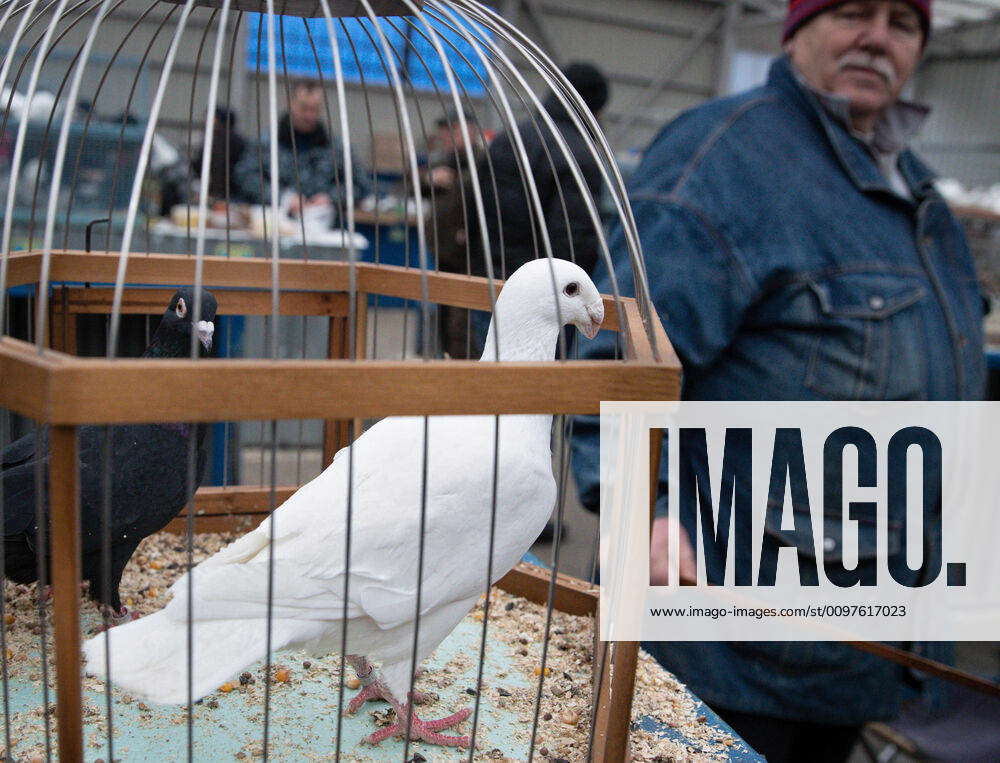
pixel 829 545
pixel 868 338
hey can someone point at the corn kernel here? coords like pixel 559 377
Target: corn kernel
pixel 283 676
pixel 226 687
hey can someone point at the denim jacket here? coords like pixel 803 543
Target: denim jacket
pixel 785 267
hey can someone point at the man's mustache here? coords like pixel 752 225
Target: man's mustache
pixel 879 64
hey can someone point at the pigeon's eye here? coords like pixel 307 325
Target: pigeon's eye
pixel 181 308
pixel 572 289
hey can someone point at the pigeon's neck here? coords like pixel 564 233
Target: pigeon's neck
pixel 161 346
pixel 526 339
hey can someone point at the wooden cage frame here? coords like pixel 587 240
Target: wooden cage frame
pixel 62 391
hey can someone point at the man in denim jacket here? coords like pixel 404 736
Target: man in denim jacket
pixel 797 250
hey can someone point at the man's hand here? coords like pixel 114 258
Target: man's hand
pixel 320 200
pixel 443 178
pixel 296 204
pixel 659 545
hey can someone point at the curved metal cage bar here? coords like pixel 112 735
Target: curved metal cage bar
pixel 351 256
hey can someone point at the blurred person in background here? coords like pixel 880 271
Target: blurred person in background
pixel 310 160
pixel 514 228
pixel 510 216
pixel 166 165
pixel 796 249
pixel 570 230
pixel 447 183
pixel 228 149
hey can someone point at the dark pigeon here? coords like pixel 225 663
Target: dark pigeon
pixel 148 475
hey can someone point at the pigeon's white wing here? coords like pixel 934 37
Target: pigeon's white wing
pixel 389 488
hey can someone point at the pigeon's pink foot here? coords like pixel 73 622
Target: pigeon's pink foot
pixel 425 730
pixel 376 690
pixel 113 618
pixel 371 691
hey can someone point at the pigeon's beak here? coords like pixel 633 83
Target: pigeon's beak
pixel 205 331
pixel 595 311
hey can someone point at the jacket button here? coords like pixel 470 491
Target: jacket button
pixel 876 302
pixel 927 242
pixel 829 544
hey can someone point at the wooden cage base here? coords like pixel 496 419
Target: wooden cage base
pixel 62 391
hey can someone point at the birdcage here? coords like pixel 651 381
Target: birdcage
pixel 329 313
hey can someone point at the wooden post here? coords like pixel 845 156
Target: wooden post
pixel 360 349
pixel 64 501
pixel 62 322
pixel 334 431
pixel 361 326
pixel 337 434
pixel 617 671
pixel 614 703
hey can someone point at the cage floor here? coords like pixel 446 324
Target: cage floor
pixel 228 725
pixel 303 715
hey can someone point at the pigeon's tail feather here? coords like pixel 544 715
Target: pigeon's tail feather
pixel 149 657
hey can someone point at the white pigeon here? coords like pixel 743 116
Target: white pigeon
pixel 149 655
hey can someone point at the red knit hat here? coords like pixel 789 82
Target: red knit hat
pixel 800 11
